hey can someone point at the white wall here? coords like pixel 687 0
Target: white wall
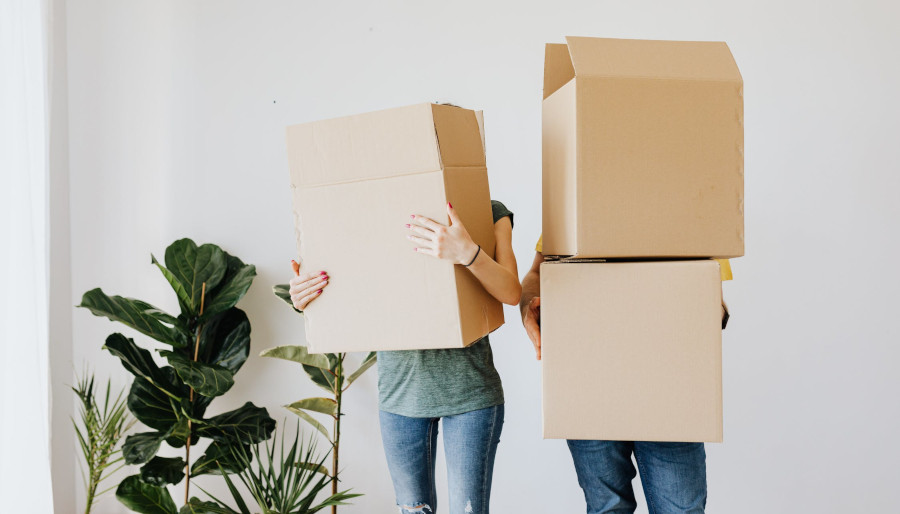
pixel 177 115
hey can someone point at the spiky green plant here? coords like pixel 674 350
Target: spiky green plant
pixel 278 482
pixel 101 428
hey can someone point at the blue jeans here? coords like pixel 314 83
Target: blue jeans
pixel 673 475
pixel 470 444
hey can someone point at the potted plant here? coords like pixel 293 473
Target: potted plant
pixel 204 346
pixel 326 371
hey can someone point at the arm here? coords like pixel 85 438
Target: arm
pixel 530 304
pixel 499 277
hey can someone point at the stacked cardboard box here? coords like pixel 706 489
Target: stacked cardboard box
pixel 355 181
pixel 642 170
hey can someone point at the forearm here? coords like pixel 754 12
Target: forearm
pixel 531 289
pixel 499 281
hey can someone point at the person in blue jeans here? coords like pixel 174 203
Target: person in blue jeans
pixel 458 388
pixel 673 474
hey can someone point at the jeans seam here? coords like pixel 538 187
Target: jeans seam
pixel 430 469
pixel 486 457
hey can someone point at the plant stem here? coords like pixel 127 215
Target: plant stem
pixel 187 445
pixel 338 395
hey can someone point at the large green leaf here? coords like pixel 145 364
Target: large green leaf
pixel 234 285
pixel 178 434
pixel 193 266
pixel 321 377
pixel 145 498
pixel 163 471
pixel 323 405
pixel 140 448
pixel 225 340
pixel 311 420
pixel 283 291
pixel 184 299
pixel 138 362
pixel 196 506
pixel 219 456
pixel 296 353
pixel 248 424
pixel 206 379
pixel 136 314
pixel 151 406
pixel 363 367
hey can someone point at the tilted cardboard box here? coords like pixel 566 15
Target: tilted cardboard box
pixel 632 351
pixel 642 149
pixel 355 182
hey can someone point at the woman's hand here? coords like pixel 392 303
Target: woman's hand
pixel 452 243
pixel 531 318
pixel 306 287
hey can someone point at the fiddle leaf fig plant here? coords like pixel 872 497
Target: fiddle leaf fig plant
pixel 204 347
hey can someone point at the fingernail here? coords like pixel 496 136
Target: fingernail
pixel 413 216
pixel 407 225
pixel 321 273
pixel 450 205
pixel 415 249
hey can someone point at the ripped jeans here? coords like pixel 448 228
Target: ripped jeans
pixel 470 444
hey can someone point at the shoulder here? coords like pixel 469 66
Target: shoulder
pixel 500 211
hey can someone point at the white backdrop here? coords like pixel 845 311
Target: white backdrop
pixel 177 113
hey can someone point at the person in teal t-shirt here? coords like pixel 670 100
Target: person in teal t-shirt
pixel 461 386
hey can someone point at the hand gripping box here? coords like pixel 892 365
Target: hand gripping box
pixel 642 149
pixel 355 182
pixel 632 350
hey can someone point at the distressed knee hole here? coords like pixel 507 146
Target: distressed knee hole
pixel 422 508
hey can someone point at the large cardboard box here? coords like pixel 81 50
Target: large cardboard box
pixel 642 149
pixel 356 180
pixel 632 350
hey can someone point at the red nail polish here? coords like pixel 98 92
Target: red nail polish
pixel 413 216
pixel 321 273
pixel 407 225
pixel 319 291
pixel 450 204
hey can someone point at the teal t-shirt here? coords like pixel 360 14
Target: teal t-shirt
pixel 436 383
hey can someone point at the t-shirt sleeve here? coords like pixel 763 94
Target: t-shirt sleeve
pixel 500 211
pixel 725 268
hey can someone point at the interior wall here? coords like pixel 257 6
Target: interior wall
pixel 176 128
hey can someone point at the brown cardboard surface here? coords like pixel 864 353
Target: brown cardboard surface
pixel 643 149
pixel 355 182
pixel 632 350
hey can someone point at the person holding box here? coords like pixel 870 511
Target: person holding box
pixel 673 474
pixel 461 386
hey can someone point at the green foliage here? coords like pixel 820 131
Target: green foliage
pixel 205 346
pixel 99 432
pixel 327 372
pixel 278 481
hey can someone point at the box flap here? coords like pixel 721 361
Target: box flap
pixel 379 144
pixel 479 115
pixel 458 136
pixel 637 58
pixel 558 68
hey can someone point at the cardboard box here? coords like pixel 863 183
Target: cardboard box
pixel 632 351
pixel 642 149
pixel 355 182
